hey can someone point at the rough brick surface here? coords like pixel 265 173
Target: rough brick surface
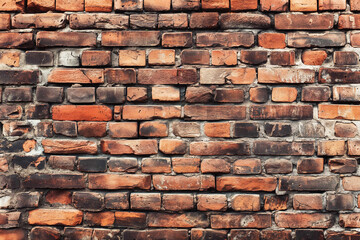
pixel 179 119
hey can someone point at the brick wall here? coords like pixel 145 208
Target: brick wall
pixel 179 119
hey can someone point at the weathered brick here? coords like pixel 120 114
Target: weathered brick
pixel 214 112
pixel 244 20
pixel 69 146
pixel 67 217
pixel 92 129
pixel 274 5
pixel 349 112
pixel 224 75
pixel 115 181
pixel 217 129
pixel 178 202
pixel 180 234
pixel 338 202
pixel 136 147
pixel 239 220
pixel 130 38
pixel 186 165
pixel 313 57
pixel 120 76
pixel 180 182
pixel 239 5
pixel 41 20
pixel 98 6
pixel 315 94
pixel 172 146
pixel 70 5
pixel 346 58
pixel 282 58
pixel 204 20
pixel 116 200
pixel 130 219
pixel 215 166
pixel 304 220
pixel 248 184
pixel 303 5
pixel 125 5
pixel 300 183
pixel 272 40
pixel 219 148
pixel 182 220
pixel 59 181
pixel 245 202
pixel 92 164
pixel 342 165
pixel 161 57
pixel 99 20
pixel 211 202
pixel 331 148
pixel 215 4
pixel 223 57
pixel 284 94
pixel 307 202
pixel 81 76
pixel 332 5
pixel 143 112
pixel 45 232
pixel 288 21
pixel 307 40
pixel 167 76
pixel 285 75
pixel 281 112
pixel 88 201
pixel 222 39
pixel 247 166
pixel 310 165
pixel 173 20
pixel 156 165
pixel 165 94
pixel 65 39
pixel 274 202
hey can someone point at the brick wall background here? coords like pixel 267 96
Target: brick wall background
pixel 179 119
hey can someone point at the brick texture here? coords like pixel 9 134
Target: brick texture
pixel 179 119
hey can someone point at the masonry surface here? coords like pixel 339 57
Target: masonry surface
pixel 179 119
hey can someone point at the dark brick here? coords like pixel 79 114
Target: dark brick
pixel 65 128
pixel 253 57
pixel 81 94
pixel 315 94
pixel 77 233
pixel 129 165
pixel 23 94
pixel 37 162
pixel 117 200
pixel 49 94
pixel 346 58
pixel 245 234
pixel 311 184
pixel 246 130
pixel 93 164
pixel 305 234
pixel 37 111
pixel 111 94
pixel 157 234
pixel 259 94
pixel 89 201
pixel 59 181
pixel 277 129
pixel 62 162
pixel 120 76
pixel 283 148
pixel 276 234
pixel 49 233
pixel 345 165
pixel 27 200
pixel 44 129
pixel 275 166
pixel 339 202
pixel 40 58
pixel 19 77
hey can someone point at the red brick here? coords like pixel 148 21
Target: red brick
pixel 153 129
pixel 278 112
pixel 349 112
pixel 122 76
pixel 215 4
pixel 315 94
pixel 245 202
pixel 167 76
pixel 303 5
pixel 304 220
pixel 82 76
pixel 69 146
pixel 284 94
pixel 145 201
pixel 96 58
pixel 215 166
pixel 238 220
pixel 310 165
pixel 331 148
pixel 186 4
pixel 5 20
pixel 213 112
pixel 288 21
pixel 130 38
pixel 81 113
pixel 142 112
pixel 9 219
pixel 92 129
pixel 58 197
pixel 349 21
pixel 272 40
pixel 282 58
pixel 65 39
pixel 342 165
pixel 124 5
pixel 253 57
pixel 156 165
pixel 259 94
pixel 247 166
pixel 276 234
pixel 59 181
pixel 132 58
pixel 186 165
pixel 99 219
pixel 225 39
pixel 244 20
pixel 180 234
pixel 204 20
pixel 123 130
pixel 136 147
pixel 274 5
pixel 174 39
pixel 307 202
pixel 275 202
pixel 16 40
pixel 40 5
pixel 173 20
pixel 45 233
pixel 239 5
pixel 178 220
pixel 172 146
pixel 285 75
pixel 41 20
pixel 306 40
pixel 211 148
pixel 70 5
pixel 313 184
pixel 332 5
pixel 161 57
pixel 211 202
pixel 178 202
pixel 313 57
pixel 179 182
pixel 13 234
pixel 98 6
pixel 195 57
pixel 165 94
pixel 98 21
pixel 217 129
pixel 12 5
pixel 130 219
pixel 117 200
pixel 225 75
pixel 224 57
pixel 114 181
pixel 67 217
pixel 199 233
pixel 249 184
pixel 136 94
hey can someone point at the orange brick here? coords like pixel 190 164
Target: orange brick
pixel 161 57
pixel 123 130
pixel 245 202
pixel 215 4
pixel 272 40
pixel 96 58
pixel 239 5
pixel 303 5
pixel 70 5
pixel 314 57
pixel 132 58
pixel 217 129
pixel 167 94
pixel 98 6
pixel 5 20
pixel 40 5
pixel 10 58
pixel 157 5
pixel 284 94
pixel 224 57
pixel 12 5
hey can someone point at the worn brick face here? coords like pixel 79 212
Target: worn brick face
pixel 179 119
